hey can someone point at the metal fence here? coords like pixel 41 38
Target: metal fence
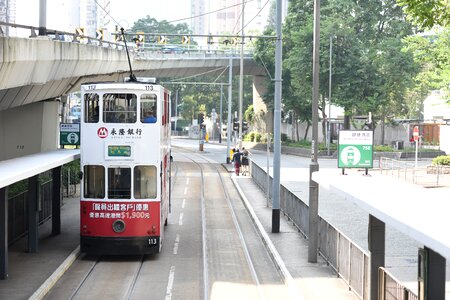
pixel 390 287
pixel 428 176
pixel 17 202
pixel 349 261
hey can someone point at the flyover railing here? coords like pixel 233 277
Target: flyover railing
pixel 139 50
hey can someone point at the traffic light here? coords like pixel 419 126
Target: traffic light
pixel 244 126
pixel 235 124
pixel 201 118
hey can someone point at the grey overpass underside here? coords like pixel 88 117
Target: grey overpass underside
pixel 32 70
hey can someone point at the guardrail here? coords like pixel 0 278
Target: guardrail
pixel 58 35
pixel 429 176
pixel 349 260
pixel 140 52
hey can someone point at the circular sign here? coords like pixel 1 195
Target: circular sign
pixel 416 133
pixel 350 156
pixel 72 138
pixel 102 132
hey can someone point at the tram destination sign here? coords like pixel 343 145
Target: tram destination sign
pixel 355 149
pixel 69 134
pixel 122 150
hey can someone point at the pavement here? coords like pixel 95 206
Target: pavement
pixel 31 275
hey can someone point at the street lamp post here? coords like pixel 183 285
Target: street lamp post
pixel 314 166
pixel 277 126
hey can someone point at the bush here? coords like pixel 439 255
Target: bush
pixel 381 148
pixel 442 160
pixel 257 137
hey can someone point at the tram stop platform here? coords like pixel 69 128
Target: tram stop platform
pixel 31 275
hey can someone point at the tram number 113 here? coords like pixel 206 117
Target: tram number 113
pixel 152 241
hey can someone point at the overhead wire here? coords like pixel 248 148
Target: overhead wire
pixel 200 74
pixel 257 14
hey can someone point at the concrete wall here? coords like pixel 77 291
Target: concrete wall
pixel 29 129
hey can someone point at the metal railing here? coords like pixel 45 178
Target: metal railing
pixel 390 287
pixel 140 52
pixel 349 261
pixel 428 176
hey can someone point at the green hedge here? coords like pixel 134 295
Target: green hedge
pixel 442 160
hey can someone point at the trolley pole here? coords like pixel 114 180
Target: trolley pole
pixel 241 75
pixel 314 166
pixel 277 126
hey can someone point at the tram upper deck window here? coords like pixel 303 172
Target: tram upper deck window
pixel 94 182
pixel 91 108
pixel 148 108
pixel 119 183
pixel 119 108
pixel 145 180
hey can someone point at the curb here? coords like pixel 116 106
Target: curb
pixel 42 291
pixel 276 258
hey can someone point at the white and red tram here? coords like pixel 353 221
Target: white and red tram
pixel 125 164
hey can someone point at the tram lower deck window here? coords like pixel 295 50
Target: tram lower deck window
pixel 145 179
pixel 94 182
pixel 119 183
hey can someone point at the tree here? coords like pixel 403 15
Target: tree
pixel 427 14
pixel 151 25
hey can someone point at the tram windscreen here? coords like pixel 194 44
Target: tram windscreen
pixel 148 108
pixel 91 108
pixel 119 108
pixel 145 180
pixel 119 183
pixel 94 182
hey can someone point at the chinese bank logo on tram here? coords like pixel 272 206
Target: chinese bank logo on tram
pixel 102 132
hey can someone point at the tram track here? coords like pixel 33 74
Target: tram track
pixel 235 221
pixel 97 270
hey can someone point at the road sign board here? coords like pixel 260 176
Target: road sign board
pixel 416 133
pixel 355 149
pixel 162 39
pixel 185 39
pixel 69 134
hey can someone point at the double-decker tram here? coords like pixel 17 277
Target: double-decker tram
pixel 125 164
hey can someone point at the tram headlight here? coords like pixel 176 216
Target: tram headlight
pixel 118 226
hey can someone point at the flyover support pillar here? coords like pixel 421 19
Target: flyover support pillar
pixel 377 233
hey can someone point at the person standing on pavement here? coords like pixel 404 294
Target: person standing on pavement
pixel 237 161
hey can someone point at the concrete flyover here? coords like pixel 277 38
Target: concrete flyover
pixel 36 69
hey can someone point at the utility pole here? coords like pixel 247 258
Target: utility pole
pixel 42 17
pixel 241 75
pixel 230 86
pixel 277 125
pixel 314 166
pixel 329 100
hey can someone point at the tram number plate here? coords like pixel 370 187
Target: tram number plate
pixel 152 241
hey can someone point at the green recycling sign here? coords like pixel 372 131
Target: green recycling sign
pixel 355 149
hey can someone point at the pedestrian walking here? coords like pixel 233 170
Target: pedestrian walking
pixel 245 162
pixel 237 161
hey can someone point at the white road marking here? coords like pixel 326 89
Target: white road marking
pixel 185 191
pixel 175 246
pixel 170 283
pixel 180 220
pixel 187 181
pixel 183 204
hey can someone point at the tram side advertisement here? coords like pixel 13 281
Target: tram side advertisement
pixel 355 149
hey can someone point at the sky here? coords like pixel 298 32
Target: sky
pixel 126 12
